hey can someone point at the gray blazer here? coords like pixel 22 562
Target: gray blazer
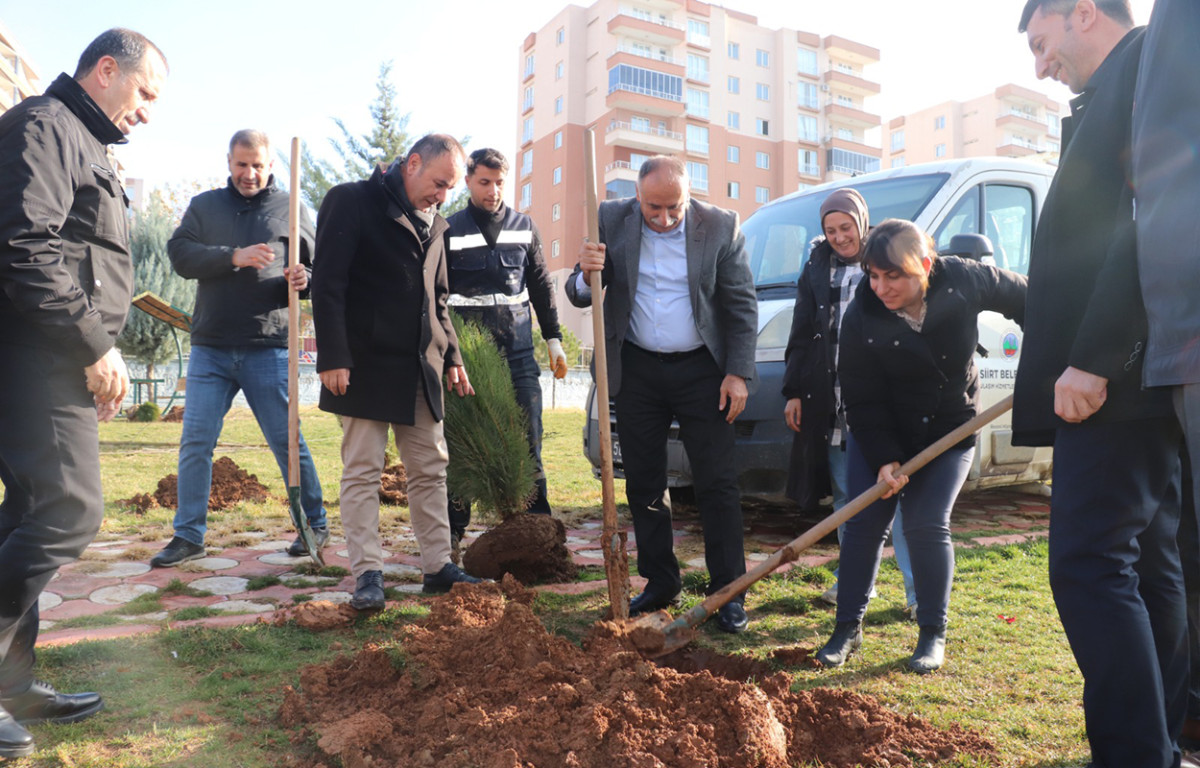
pixel 723 299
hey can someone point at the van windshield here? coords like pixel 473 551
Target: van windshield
pixel 778 236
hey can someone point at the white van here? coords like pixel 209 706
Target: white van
pixel 996 197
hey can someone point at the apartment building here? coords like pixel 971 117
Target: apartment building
pixel 757 113
pixel 1011 121
pixel 18 81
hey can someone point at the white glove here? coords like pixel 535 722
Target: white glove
pixel 558 358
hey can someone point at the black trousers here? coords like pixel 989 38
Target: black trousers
pixel 654 390
pixel 1118 584
pixel 50 468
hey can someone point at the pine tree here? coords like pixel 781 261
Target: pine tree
pixel 490 462
pixel 144 338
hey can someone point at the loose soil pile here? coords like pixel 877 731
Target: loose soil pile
pixel 533 548
pixel 482 683
pixel 230 485
pixel 317 615
pixel 393 486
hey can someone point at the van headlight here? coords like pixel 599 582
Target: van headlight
pixel 773 338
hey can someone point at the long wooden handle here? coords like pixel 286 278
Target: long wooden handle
pixel 791 551
pixel 293 258
pixel 616 560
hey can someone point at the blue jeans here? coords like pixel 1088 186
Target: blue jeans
pixel 215 374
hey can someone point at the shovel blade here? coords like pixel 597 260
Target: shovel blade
pixel 657 634
pixel 300 521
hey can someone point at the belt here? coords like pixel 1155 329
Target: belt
pixel 487 300
pixel 669 357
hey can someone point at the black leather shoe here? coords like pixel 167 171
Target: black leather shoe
pixel 177 551
pixel 368 592
pixel 845 640
pixel 441 582
pixel 42 704
pixel 15 741
pixel 299 549
pixel 931 650
pixel 732 618
pixel 648 602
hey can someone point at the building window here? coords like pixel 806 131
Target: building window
pixel 560 36
pixel 733 153
pixel 735 190
pixel 734 50
pixel 808 162
pixel 526 196
pixel 806 94
pixel 558 104
pixel 697 139
pixel 697 33
pixel 762 195
pixel 845 100
pixel 898 140
pixel 555 249
pixel 558 174
pixel 697 67
pixel 734 84
pixel 527 103
pixel 557 139
pixel 636 160
pixel 898 162
pixel 762 58
pixel 806 61
pixel 697 103
pixel 762 126
pixel 527 162
pixel 939 150
pixel 733 121
pixel 845 133
pixel 808 128
pixel 698 175
pixel 854 163
pixel 529 65
pixel 555 212
pixel 558 71
pixel 527 129
pixel 762 91
pixel 646 82
pixel 1054 124
pixel 762 160
pixel 939 122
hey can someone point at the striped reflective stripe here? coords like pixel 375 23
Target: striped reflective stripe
pixel 462 242
pixel 521 236
pixel 487 300
pixel 506 237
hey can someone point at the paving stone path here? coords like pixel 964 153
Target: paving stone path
pixel 242 584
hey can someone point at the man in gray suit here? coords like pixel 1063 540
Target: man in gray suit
pixel 681 319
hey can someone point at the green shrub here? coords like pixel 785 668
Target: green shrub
pixel 147 411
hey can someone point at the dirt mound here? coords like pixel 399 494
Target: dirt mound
pixel 174 414
pixel 230 484
pixel 533 548
pixel 139 503
pixel 317 615
pixel 483 683
pixel 393 486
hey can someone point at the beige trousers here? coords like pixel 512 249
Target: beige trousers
pixel 422 448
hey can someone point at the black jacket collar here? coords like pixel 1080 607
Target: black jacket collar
pixel 71 93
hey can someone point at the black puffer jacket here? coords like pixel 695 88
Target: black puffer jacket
pixel 65 272
pixel 238 307
pixel 903 390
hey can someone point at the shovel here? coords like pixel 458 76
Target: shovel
pixel 616 558
pixel 299 519
pixel 656 634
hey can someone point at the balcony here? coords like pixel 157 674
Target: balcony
pixel 1017 150
pixel 644 100
pixel 621 170
pixel 852 84
pixel 633 58
pixel 851 117
pixel 810 170
pixel 644 55
pixel 656 32
pixel 850 51
pixel 1024 120
pixel 657 140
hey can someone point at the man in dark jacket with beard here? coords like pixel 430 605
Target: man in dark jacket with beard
pixel 233 241
pixel 65 285
pixel 1114 565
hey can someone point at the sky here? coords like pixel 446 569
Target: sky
pixel 290 67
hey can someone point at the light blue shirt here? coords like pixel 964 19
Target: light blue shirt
pixel 662 319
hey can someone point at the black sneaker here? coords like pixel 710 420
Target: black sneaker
pixel 177 551
pixel 440 582
pixel 298 548
pixel 368 592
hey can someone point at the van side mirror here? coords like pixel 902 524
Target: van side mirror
pixel 969 246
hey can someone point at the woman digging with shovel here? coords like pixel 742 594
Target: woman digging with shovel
pixel 907 370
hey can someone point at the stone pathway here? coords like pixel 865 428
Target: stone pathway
pixel 243 584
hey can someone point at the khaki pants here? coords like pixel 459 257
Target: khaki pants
pixel 422 448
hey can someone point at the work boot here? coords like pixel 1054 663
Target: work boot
pixel 368 592
pixel 15 741
pixel 299 549
pixel 177 551
pixel 846 638
pixel 443 580
pixel 931 650
pixel 42 704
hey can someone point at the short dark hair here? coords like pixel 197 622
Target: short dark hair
pixel 433 145
pixel 1118 10
pixel 898 244
pixel 670 163
pixel 488 158
pixel 127 47
pixel 249 138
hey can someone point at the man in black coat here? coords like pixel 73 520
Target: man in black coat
pixel 1114 566
pixel 65 284
pixel 384 339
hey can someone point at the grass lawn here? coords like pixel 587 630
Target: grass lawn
pixel 208 697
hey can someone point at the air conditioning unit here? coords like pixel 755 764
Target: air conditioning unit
pixel 825 87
